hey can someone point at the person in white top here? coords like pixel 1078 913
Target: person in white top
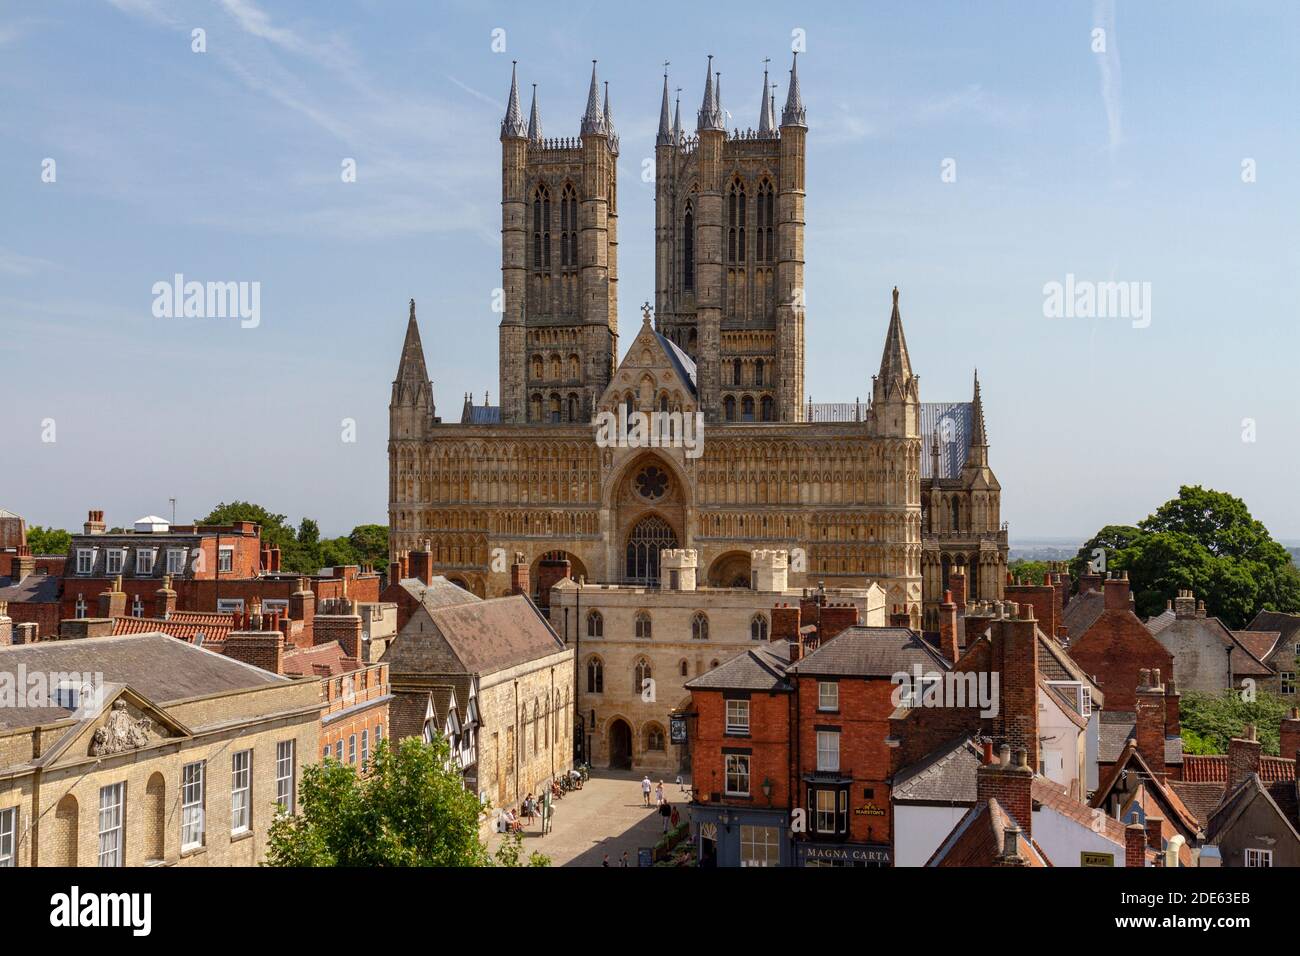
pixel 645 789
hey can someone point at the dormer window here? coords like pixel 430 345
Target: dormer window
pixel 144 560
pixel 113 560
pixel 85 560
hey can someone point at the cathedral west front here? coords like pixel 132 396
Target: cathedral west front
pixel 894 491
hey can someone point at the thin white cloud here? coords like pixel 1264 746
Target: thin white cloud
pixel 16 264
pixel 1109 67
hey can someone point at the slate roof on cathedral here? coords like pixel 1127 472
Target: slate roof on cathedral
pixel 682 363
pixel 953 421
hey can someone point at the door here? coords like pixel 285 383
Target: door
pixel 620 745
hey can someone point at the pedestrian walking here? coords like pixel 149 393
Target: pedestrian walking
pixel 659 793
pixel 665 811
pixel 645 789
pixel 623 860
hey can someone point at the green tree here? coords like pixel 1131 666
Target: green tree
pixel 1206 541
pixel 410 808
pixel 274 530
pixel 370 544
pixel 1209 721
pixel 308 532
pixel 1028 572
pixel 48 540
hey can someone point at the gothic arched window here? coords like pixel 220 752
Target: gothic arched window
pixel 650 536
pixel 735 371
pixel 643 626
pixel 766 209
pixel 542 227
pixel 956 514
pixel 595 624
pixel 684 669
pixel 768 408
pixel 573 407
pixel 700 627
pixel 595 676
pixel 729 408
pixel 747 409
pixel 758 372
pixel 758 628
pixel 641 672
pixel 654 738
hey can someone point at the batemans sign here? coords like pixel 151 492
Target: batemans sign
pixel 677 729
pixel 1096 859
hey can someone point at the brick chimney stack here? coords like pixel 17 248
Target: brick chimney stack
pixel 1150 701
pixel 6 625
pixel 1089 581
pixel 302 607
pixel 948 627
pixel 1289 735
pixel 1155 832
pixel 785 623
pixel 1116 591
pixel 94 523
pixel 1184 605
pixel 112 600
pixel 957 585
pixel 344 628
pixel 899 617
pixel 1135 845
pixel 1009 780
pixel 23 563
pixel 421 564
pixel 519 575
pixel 264 649
pixel 1243 758
pixel 164 599
pixel 1015 658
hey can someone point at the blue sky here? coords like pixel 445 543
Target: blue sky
pixel 225 166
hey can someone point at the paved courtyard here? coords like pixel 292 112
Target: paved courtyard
pixel 607 816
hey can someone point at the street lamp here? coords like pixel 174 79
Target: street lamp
pixel 767 789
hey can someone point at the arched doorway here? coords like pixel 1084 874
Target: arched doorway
pixel 620 744
pixel 649 536
pixel 731 570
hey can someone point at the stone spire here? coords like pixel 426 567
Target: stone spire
pixel 512 127
pixel 767 112
pixel 710 113
pixel 609 123
pixel 977 434
pixel 717 101
pixel 665 137
pixel 678 136
pixel 412 368
pixel 593 121
pixel 895 366
pixel 794 114
pixel 534 120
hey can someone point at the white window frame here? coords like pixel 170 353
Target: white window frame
pixel 338 750
pixel 225 559
pixel 738 717
pixel 1258 858
pixel 828 695
pixel 229 605
pixel 819 811
pixel 79 611
pixel 741 761
pixel 8 837
pixel 285 790
pixel 175 560
pixel 141 556
pixel 275 604
pixel 379 734
pixel 114 560
pixel 760 846
pixel 365 747
pixel 241 792
pixel 85 560
pixel 352 748
pixel 828 757
pixel 137 606
pixel 112 825
pixel 193 798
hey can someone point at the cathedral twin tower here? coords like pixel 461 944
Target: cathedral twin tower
pixel 729 224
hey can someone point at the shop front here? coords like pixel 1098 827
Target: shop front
pixel 740 836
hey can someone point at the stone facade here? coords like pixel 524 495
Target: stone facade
pixel 840 487
pixel 624 636
pixel 53 773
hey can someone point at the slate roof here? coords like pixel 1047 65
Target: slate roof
pixel 1244 662
pixel 683 364
pixel 1118 727
pixel 1082 613
pixel 954 444
pixel 33 589
pixel 1250 790
pixel 439 592
pixel 159 667
pixel 861 651
pixel 945 776
pixel 1200 798
pixel 481 415
pixel 757 668
pixel 1161 621
pixel 484 636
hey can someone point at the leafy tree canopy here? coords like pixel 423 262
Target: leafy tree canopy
pixel 1028 572
pixel 48 540
pixel 1203 540
pixel 304 551
pixel 410 808
pixel 1209 721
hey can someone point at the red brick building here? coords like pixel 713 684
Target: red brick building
pixel 1117 647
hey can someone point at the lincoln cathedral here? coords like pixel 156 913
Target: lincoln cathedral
pixel 893 491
